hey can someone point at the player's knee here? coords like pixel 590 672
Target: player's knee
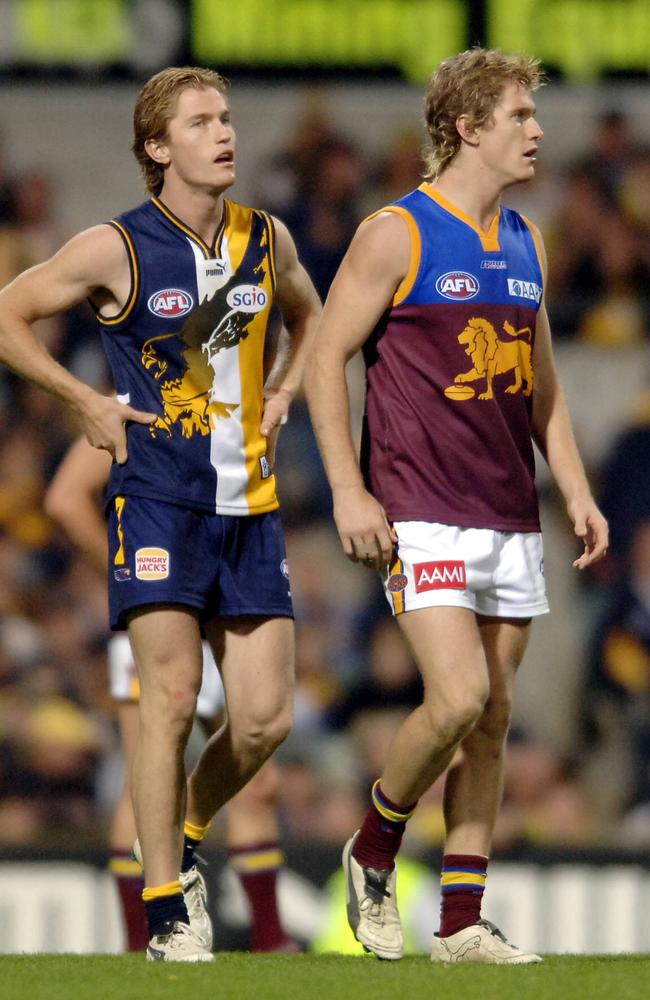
pixel 170 708
pixel 495 720
pixel 263 733
pixel 458 714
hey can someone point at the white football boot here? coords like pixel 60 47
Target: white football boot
pixel 180 944
pixel 371 895
pixel 481 943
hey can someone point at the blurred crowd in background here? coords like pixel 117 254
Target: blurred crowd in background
pixel 59 753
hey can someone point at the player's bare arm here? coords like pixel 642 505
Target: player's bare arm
pixel 72 500
pixel 92 264
pixel 375 264
pixel 300 306
pixel 553 434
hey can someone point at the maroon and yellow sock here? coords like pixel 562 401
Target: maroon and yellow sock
pixel 164 905
pixel 462 883
pixel 130 883
pixel 258 866
pixel 381 835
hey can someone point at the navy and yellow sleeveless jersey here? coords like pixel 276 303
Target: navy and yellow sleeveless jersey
pixel 191 344
pixel 447 433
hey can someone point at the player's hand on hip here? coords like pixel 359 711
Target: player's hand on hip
pixel 592 528
pixel 363 527
pixel 275 416
pixel 103 420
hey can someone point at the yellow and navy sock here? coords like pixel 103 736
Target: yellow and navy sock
pixel 164 905
pixel 257 867
pixel 128 879
pixel 381 835
pixel 192 837
pixel 462 883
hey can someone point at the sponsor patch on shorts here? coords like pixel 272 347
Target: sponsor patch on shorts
pixel 445 574
pixel 152 564
pixel 397 582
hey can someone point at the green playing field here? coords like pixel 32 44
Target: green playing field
pixel 239 976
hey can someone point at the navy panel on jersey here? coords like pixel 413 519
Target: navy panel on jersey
pixel 161 553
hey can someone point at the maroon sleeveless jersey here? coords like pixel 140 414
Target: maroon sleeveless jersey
pixel 447 430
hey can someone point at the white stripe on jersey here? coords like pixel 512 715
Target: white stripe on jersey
pixel 227 453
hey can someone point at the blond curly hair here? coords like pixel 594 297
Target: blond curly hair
pixel 156 105
pixel 468 84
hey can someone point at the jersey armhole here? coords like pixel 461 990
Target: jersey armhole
pixel 135 280
pixel 406 284
pixel 270 229
pixel 538 248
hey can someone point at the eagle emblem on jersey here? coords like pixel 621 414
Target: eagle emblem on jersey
pixel 492 355
pixel 189 394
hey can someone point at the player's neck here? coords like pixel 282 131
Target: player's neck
pixel 200 210
pixel 475 193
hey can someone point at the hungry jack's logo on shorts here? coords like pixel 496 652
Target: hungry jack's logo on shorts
pixel 445 574
pixel 152 564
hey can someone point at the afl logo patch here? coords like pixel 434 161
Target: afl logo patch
pixel 284 568
pixel 247 298
pixel 170 303
pixel 152 564
pixel 397 582
pixel 457 285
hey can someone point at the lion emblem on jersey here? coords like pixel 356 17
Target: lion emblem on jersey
pixel 491 355
pixel 186 383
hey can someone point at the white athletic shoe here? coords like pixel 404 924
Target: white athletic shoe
pixel 195 894
pixel 196 900
pixel 180 944
pixel 371 895
pixel 483 943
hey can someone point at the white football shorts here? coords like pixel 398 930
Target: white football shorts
pixel 495 573
pixel 124 684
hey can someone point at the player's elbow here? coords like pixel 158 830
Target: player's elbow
pixel 56 504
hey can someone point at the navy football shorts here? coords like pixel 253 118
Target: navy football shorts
pixel 221 565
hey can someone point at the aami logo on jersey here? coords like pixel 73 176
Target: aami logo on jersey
pixel 152 564
pixel 524 289
pixel 247 298
pixel 446 574
pixel 457 285
pixel 170 303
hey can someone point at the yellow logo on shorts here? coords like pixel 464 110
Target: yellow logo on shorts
pixel 152 564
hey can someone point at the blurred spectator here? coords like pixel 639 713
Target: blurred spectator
pixel 326 212
pixel 543 802
pixel 391 680
pixel 617 703
pixel 282 179
pixel 614 147
pixel 625 483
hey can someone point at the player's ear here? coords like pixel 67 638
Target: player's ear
pixel 157 150
pixel 467 130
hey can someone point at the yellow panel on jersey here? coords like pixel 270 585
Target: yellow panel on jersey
pixel 260 491
pixel 120 556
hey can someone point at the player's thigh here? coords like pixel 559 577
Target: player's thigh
pixel 256 657
pixel 166 643
pixel 446 643
pixel 504 641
